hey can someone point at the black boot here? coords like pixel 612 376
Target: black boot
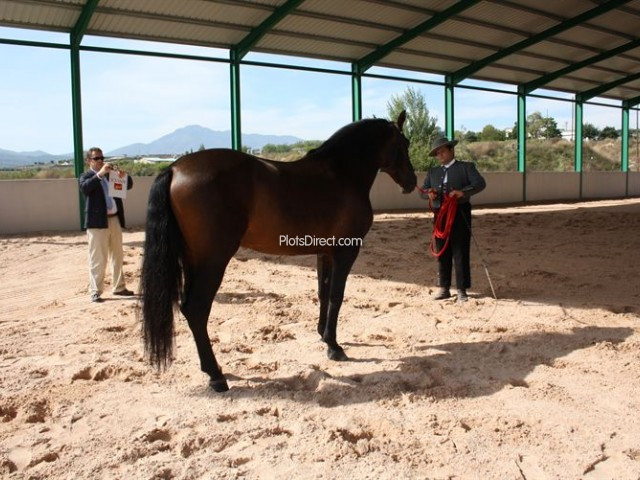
pixel 462 295
pixel 442 294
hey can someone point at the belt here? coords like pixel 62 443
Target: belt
pixel 112 214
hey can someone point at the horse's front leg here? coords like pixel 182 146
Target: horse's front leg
pixel 342 262
pixel 324 282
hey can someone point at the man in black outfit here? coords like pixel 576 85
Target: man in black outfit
pixel 459 180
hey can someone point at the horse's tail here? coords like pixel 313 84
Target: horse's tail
pixel 162 273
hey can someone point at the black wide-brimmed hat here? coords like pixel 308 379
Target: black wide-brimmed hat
pixel 441 142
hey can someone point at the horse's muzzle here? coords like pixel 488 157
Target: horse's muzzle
pixel 410 185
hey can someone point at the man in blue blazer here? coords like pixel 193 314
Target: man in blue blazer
pixel 459 180
pixel 104 220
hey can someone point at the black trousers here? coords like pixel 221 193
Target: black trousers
pixel 458 251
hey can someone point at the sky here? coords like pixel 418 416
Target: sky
pixel 130 98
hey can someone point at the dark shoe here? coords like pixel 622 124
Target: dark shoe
pixel 124 293
pixel 95 298
pixel 462 296
pixel 442 294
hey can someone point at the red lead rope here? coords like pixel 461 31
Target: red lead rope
pixel 443 222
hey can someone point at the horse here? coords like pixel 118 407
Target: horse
pixel 207 204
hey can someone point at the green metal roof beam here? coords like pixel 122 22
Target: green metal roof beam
pixel 247 43
pixel 543 80
pixel 80 28
pixel 597 91
pixel 550 32
pixel 382 51
pixel 631 102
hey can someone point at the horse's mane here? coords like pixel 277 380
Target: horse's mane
pixel 353 137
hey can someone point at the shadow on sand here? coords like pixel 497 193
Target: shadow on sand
pixel 451 370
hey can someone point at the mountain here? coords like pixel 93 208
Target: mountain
pixel 19 159
pixel 193 136
pixel 178 142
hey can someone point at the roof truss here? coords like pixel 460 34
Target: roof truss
pixel 382 51
pixel 597 91
pixel 247 43
pixel 472 68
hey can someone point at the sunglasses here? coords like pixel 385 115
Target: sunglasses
pixel 97 159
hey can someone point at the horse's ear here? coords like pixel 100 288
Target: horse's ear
pixel 401 118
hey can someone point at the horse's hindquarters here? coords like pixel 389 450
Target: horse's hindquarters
pixel 211 202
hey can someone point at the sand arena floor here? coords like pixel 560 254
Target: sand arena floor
pixel 542 384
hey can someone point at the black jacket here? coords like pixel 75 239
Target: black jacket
pixel 462 176
pixel 95 206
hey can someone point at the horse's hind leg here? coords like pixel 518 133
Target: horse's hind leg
pixel 324 283
pixel 201 287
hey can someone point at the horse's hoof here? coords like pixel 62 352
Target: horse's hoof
pixel 337 354
pixel 219 385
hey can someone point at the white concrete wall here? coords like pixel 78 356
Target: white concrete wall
pixel 502 187
pixel 35 205
pixel 53 205
pixel 634 184
pixel 135 207
pixel 603 184
pixel 544 186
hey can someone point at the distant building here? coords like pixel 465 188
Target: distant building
pixel 159 159
pixel 568 135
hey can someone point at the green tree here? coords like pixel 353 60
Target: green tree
pixel 470 136
pixel 492 134
pixel 465 135
pixel 271 148
pixel 550 128
pixel 608 132
pixel 590 131
pixel 201 147
pixel 535 125
pixel 420 127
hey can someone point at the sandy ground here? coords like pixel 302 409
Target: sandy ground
pixel 542 383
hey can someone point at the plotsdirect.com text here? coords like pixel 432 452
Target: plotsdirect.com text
pixel 313 241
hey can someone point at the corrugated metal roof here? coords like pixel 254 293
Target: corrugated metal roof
pixel 464 39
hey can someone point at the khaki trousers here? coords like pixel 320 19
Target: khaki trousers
pixel 105 244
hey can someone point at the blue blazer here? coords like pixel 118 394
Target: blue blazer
pixel 95 205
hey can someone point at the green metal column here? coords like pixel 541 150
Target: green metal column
pixel 577 158
pixel 76 112
pixel 237 53
pixel 578 142
pixel 625 145
pixel 449 107
pixel 356 92
pixel 75 38
pixel 625 136
pixel 522 140
pixel 522 131
pixel 236 133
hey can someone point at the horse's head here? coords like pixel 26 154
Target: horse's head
pixel 396 161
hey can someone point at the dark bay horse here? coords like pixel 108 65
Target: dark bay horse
pixel 207 204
